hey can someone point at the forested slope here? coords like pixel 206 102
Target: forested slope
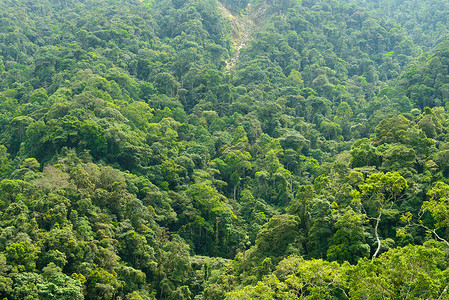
pixel 198 149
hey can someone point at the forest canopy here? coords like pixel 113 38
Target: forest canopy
pixel 203 149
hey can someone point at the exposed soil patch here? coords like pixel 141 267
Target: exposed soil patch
pixel 244 27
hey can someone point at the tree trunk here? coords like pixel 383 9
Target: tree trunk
pixel 377 235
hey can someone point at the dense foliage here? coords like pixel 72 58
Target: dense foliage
pixel 198 149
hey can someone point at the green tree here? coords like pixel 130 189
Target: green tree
pixel 363 153
pixel 408 272
pixel 165 83
pixel 437 206
pixel 22 255
pixel 59 285
pixel 381 191
pixel 237 164
pixel 277 235
pixel 314 279
pixel 348 242
pixel 101 284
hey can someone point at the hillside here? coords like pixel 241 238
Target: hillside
pixel 229 149
pixel 244 26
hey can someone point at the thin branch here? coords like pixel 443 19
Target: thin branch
pixel 431 230
pixel 436 234
pixel 344 292
pixel 379 243
pixel 442 293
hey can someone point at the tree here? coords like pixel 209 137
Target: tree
pixel 318 211
pixel 237 163
pixel 39 96
pixel 293 140
pixel 296 278
pixel 381 191
pixel 22 255
pixel 165 83
pixel 437 206
pixel 363 153
pixel 210 229
pixel 314 279
pixel 281 232
pixel 93 135
pixel 391 130
pixel 59 285
pixel 413 271
pixel 348 242
pixel 344 112
pixel 19 126
pixel 269 288
pixel 139 113
pixel 331 130
pixel 6 282
pixel 101 284
pixel 397 157
pixel 5 162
